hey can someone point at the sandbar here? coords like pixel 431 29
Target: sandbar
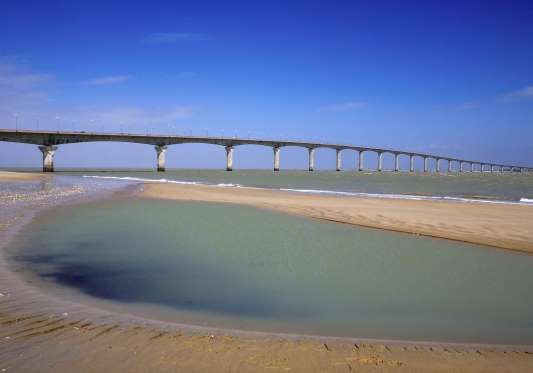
pixel 499 225
pixel 22 176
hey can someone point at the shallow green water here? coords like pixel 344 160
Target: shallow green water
pixel 240 267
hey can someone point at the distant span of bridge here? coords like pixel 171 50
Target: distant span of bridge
pixel 48 142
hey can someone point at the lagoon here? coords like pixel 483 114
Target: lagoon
pixel 244 268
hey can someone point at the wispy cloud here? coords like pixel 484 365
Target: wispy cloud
pixel 525 93
pixel 141 116
pixel 174 37
pixel 21 89
pixel 25 99
pixel 14 76
pixel 106 80
pixel 347 106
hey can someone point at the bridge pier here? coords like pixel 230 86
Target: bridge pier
pixel 311 159
pixel 229 158
pixel 161 152
pixel 48 157
pixel 276 158
pixel 47 142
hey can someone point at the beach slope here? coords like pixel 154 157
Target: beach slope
pixel 498 225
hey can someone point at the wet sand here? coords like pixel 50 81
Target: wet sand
pixel 60 344
pixel 503 226
pixel 22 176
pixel 39 332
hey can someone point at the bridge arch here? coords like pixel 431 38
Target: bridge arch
pixel 245 156
pixel 114 155
pixel 48 142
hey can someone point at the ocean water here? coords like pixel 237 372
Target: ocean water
pixel 507 187
pixel 244 268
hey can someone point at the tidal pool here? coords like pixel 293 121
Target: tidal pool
pixel 245 268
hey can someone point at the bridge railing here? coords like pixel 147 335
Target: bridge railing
pixel 48 142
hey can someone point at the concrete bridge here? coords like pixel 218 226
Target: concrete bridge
pixel 48 142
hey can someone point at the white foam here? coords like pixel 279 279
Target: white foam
pixel 229 185
pixel 146 180
pixel 140 179
pixel 523 201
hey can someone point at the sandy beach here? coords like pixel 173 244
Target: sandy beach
pixel 21 176
pixel 39 332
pixel 503 226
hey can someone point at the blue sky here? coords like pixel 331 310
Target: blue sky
pixel 453 78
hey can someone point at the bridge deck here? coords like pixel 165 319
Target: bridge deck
pixel 53 138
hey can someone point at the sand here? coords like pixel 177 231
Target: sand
pixel 39 332
pixel 21 176
pixel 38 343
pixel 498 225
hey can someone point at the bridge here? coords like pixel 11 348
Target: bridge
pixel 48 142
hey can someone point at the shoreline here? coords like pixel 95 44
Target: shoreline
pixel 104 308
pixel 500 226
pixel 14 176
pixel 482 199
pixel 33 319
